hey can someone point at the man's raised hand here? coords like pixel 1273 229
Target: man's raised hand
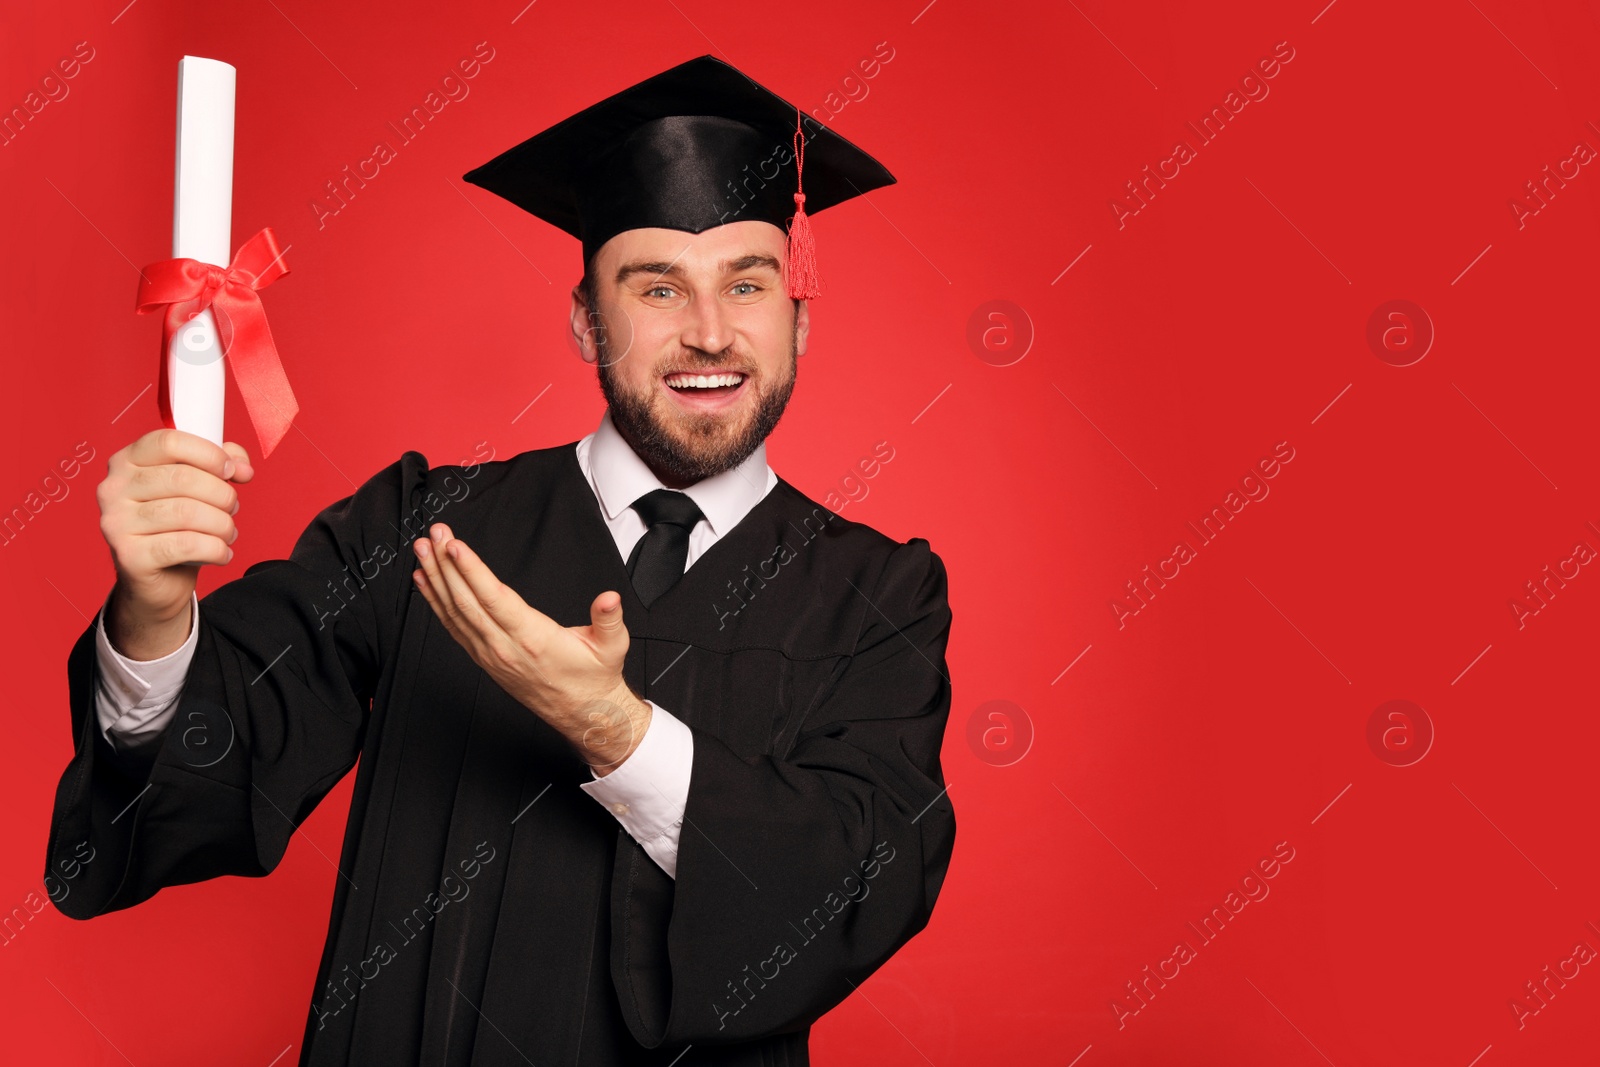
pixel 166 507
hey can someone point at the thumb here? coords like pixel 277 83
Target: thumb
pixel 243 470
pixel 606 615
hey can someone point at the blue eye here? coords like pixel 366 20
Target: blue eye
pixel 747 285
pixel 658 289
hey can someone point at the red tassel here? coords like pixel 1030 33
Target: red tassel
pixel 803 281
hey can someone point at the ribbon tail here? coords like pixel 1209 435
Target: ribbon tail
pixel 247 343
pixel 163 387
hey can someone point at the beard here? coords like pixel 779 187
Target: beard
pixel 691 446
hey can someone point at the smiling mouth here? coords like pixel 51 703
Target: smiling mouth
pixel 704 388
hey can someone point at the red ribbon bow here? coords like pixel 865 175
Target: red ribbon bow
pixel 186 287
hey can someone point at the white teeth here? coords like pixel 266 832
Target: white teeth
pixel 702 381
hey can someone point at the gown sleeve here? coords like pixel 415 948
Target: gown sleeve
pixel 800 873
pixel 271 716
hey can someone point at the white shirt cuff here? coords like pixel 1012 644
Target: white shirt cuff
pixel 136 699
pixel 648 791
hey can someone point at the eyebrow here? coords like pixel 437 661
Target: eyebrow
pixel 727 266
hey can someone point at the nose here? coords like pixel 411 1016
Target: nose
pixel 707 326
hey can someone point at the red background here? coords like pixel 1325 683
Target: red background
pixel 1226 316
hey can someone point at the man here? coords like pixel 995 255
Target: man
pixel 751 690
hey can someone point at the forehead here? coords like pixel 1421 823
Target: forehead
pixel 690 252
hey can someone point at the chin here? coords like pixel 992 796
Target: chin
pixel 706 436
pixel 692 444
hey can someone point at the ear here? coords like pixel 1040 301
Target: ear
pixel 583 324
pixel 802 327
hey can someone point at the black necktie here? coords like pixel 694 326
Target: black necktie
pixel 658 559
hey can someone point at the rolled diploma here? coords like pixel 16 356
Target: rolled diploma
pixel 202 218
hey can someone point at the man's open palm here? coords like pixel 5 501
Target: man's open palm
pixel 570 676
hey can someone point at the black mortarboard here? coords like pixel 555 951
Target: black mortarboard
pixel 693 147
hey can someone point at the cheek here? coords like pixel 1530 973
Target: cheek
pixel 771 334
pixel 634 373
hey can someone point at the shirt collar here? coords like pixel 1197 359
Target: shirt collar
pixel 621 477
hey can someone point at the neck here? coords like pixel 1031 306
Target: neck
pixel 668 479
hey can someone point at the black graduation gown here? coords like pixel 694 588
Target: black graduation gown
pixel 487 910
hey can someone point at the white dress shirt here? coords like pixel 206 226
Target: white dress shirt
pixel 136 699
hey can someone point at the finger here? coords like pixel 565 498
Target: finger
pixel 187 546
pixel 182 480
pixel 465 621
pixel 177 446
pixel 490 647
pixel 243 469
pixel 466 600
pixel 419 578
pixel 504 606
pixel 173 514
pixel 443 609
pixel 434 579
pixel 499 645
pixel 449 618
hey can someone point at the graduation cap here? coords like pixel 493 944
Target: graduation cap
pixel 696 146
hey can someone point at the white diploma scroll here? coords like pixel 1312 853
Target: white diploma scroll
pixel 202 220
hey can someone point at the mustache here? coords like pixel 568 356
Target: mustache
pixel 704 368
